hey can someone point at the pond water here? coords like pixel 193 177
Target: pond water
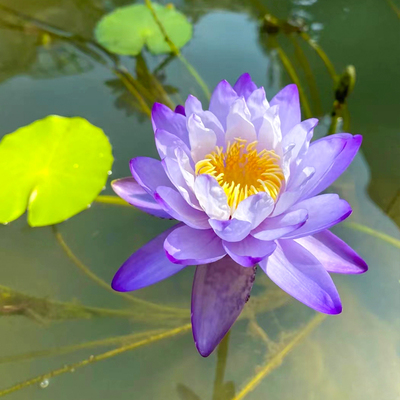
pixel 103 345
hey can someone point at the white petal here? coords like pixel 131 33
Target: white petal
pixel 238 123
pixel 202 140
pixel 212 197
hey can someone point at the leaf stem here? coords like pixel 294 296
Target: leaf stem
pixel 222 357
pixel 100 357
pixel 308 74
pixel 114 200
pixel 167 311
pixel 70 349
pixel 372 232
pixel 321 53
pixel 90 48
pixel 177 52
pixel 293 76
pixel 277 359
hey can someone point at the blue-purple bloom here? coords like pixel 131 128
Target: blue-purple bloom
pixel 244 181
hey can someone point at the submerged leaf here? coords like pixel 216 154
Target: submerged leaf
pixel 127 29
pixel 54 167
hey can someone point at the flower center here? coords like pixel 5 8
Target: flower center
pixel 243 171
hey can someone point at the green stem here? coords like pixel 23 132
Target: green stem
pixel 312 84
pixel 94 359
pixel 314 45
pixel 90 48
pixel 70 349
pixel 372 232
pixel 293 76
pixel 167 311
pixel 394 7
pixel 276 360
pixel 15 303
pixel 177 52
pixel 222 356
pixel 114 200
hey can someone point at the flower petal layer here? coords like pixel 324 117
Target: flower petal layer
pixel 323 211
pixel 276 227
pixel 176 206
pixel 149 173
pixel 220 291
pixel 190 246
pixel 164 118
pixel 321 156
pixel 296 271
pixel 341 162
pixel 221 100
pixel 212 197
pixel 238 123
pixel 202 140
pixel 146 266
pixel 254 209
pixel 167 143
pixel 289 107
pixel 333 253
pixel 244 86
pixel 249 251
pixel 129 190
pixel 232 230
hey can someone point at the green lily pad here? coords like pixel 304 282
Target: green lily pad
pixel 127 29
pixel 54 167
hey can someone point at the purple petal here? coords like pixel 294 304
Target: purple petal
pixel 129 190
pixel 249 251
pixel 202 140
pixel 181 178
pixel 221 100
pixel 163 117
pixel 190 246
pixel 232 230
pixel 321 156
pixel 289 107
pixel 323 211
pixel 244 86
pixel 210 121
pixel 300 136
pixel 276 227
pixel 341 162
pixel 299 273
pixel 176 206
pixel 179 109
pixel 254 209
pixel 257 103
pixel 149 173
pixel 220 291
pixel 167 143
pixel 238 123
pixel 334 254
pixel 146 266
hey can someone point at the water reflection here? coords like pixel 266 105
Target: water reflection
pixel 56 313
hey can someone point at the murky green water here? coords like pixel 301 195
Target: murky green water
pixel 352 356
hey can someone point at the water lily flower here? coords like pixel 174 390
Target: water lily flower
pixel 245 183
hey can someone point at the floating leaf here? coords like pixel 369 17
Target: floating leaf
pixel 127 29
pixel 54 167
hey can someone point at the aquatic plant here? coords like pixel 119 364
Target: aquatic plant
pixel 244 181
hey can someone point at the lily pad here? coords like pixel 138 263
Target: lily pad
pixel 54 167
pixel 127 29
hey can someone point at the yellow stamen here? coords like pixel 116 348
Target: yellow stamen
pixel 242 171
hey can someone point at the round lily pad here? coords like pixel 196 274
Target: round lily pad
pixel 127 29
pixel 54 167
